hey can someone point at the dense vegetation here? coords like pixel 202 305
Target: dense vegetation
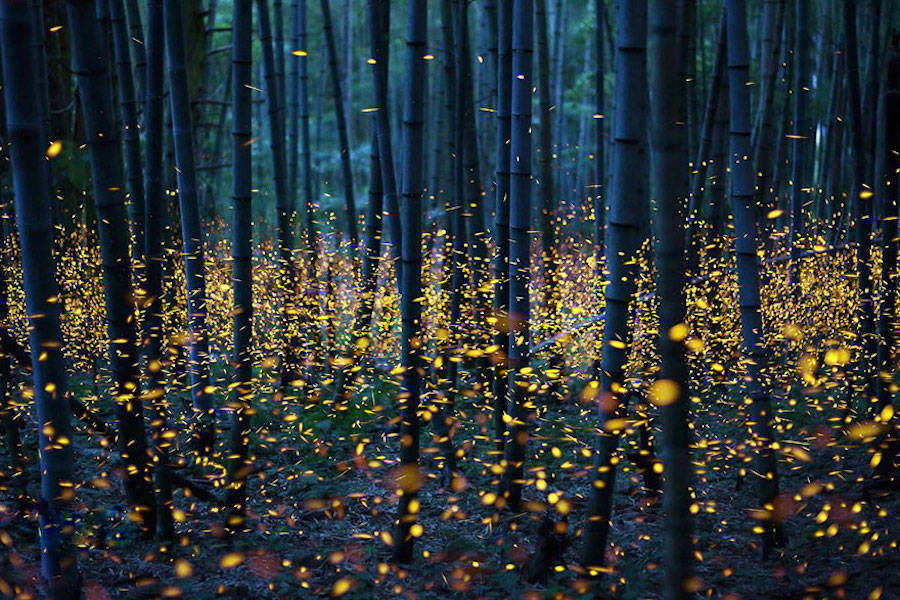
pixel 511 298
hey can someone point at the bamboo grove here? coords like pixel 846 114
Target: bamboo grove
pixel 476 298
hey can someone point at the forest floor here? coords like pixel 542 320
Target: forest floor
pixel 323 501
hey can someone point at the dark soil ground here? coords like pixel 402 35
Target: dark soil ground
pixel 323 502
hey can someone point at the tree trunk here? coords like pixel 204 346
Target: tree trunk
pixel 278 40
pixel 548 209
pixel 284 203
pixel 457 228
pixel 369 274
pixel 108 176
pixel 349 365
pixel 742 194
pixel 474 209
pixel 59 557
pixel 40 62
pixel 701 161
pixel 887 181
pixel 292 96
pixel 831 126
pixel 348 68
pixel 204 433
pixel 519 250
pixel 346 165
pixel 275 99
pixel 560 24
pixel 411 309
pixel 687 48
pixel 834 179
pixel 303 114
pixel 885 193
pixel 155 256
pixel 802 139
pixel 436 172
pixel 861 196
pixel 668 90
pixel 773 19
pixel 380 53
pixel 242 258
pixel 874 77
pixel 492 25
pixel 501 218
pixel 765 134
pixel 628 200
pixel 599 186
pixel 137 45
pixel 310 299
pixel 379 20
pixel 128 102
pixel 8 419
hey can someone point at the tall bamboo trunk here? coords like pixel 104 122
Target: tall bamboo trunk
pixel 348 68
pixel 380 39
pixel 155 219
pixel 802 142
pixel 628 204
pixel 547 204
pixel 765 140
pixel 457 229
pixel 780 172
pixel 701 161
pixel 829 125
pixel 874 79
pixel 834 179
pixel 436 171
pixel 560 25
pixel 687 49
pixel 519 251
pixel 349 365
pixel 306 175
pixel 39 50
pixel 410 308
pixel 885 195
pixel 669 145
pixel 369 275
pixel 108 176
pixel 742 194
pixel 599 185
pixel 379 19
pixel 490 15
pixel 137 45
pixel 716 208
pixel 582 168
pixel 242 260
pixel 278 41
pixel 275 101
pixel 8 418
pixel 59 558
pixel 192 236
pixel 474 206
pixel 128 103
pixel 292 93
pixel 861 197
pixel 310 299
pixel 500 357
pixel 773 18
pixel 343 137
pixel 284 201
pixel 887 180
